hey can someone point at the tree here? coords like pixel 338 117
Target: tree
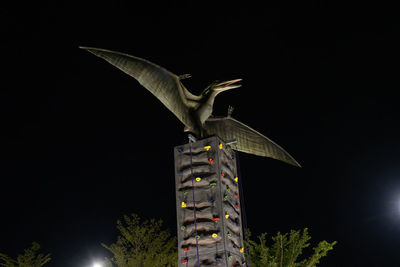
pixel 145 244
pixel 142 244
pixel 30 258
pixel 286 250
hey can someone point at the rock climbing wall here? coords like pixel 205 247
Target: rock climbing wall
pixel 208 206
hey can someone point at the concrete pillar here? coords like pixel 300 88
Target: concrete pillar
pixel 206 172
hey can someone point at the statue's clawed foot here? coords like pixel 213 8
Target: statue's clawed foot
pixel 184 76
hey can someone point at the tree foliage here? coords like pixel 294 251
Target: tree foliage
pixel 145 244
pixel 142 244
pixel 30 258
pixel 286 250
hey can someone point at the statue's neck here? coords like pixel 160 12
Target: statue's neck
pixel 211 97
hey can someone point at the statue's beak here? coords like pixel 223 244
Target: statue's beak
pixel 228 85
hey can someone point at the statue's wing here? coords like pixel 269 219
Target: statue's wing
pixel 163 84
pixel 248 140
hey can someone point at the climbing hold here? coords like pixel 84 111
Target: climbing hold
pixel 236 179
pixel 183 227
pixel 197 236
pixel 207 148
pixel 185 261
pixel 229 234
pixel 186 249
pixel 211 160
pixel 214 235
pixel 211 201
pixel 220 145
pixel 216 219
pixel 237 205
pixel 230 257
pixel 185 191
pixel 183 204
pixel 213 184
pixel 241 249
pixel 180 150
pixel 222 174
pixel 236 195
pixel 227 216
pixel 218 259
pixel 227 148
pixel 234 246
pixel 226 197
pixel 228 190
pixel 198 179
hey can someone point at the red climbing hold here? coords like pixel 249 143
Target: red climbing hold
pixel 236 195
pixel 222 174
pixel 211 160
pixel 184 261
pixel 237 205
pixel 186 249
pixel 216 219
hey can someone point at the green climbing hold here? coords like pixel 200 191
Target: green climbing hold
pixel 197 236
pixel 183 227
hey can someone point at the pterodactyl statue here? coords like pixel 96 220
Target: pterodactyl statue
pixel 195 112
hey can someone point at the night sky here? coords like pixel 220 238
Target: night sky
pixel 78 136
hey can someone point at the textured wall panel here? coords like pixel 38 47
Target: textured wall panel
pixel 205 171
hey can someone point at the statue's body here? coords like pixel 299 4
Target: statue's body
pixel 195 112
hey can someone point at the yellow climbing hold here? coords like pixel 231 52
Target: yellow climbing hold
pixel 227 216
pixel 241 250
pixel 207 148
pixel 198 179
pixel 236 179
pixel 183 204
pixel 220 146
pixel 214 235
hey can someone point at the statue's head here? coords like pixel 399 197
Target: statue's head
pixel 219 86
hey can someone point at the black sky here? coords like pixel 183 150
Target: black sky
pixel 77 135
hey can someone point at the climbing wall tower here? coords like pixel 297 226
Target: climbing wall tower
pixel 208 206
